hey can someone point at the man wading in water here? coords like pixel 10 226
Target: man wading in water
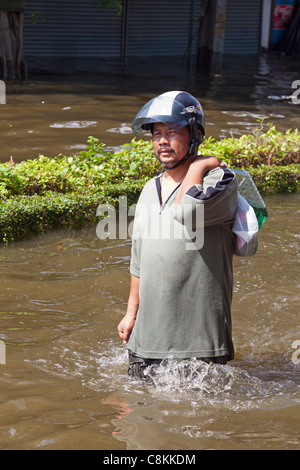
pixel 179 304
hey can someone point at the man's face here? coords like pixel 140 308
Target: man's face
pixel 170 145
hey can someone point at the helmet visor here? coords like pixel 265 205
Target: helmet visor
pixel 163 109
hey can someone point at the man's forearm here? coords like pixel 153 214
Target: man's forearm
pixel 127 323
pixel 195 174
pixel 134 297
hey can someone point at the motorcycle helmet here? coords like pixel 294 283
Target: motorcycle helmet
pixel 177 109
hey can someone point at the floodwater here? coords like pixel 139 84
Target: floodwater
pixel 63 378
pixel 56 114
pixel 65 383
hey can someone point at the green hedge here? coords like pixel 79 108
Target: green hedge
pixel 22 216
pixel 45 193
pixel 276 179
pixel 25 215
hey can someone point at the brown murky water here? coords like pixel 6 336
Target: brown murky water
pixel 57 115
pixel 64 384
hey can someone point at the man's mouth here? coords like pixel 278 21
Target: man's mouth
pixel 165 152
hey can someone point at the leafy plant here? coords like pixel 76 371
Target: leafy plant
pixel 40 194
pixel 109 3
pixel 258 148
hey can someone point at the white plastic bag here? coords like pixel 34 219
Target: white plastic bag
pixel 245 228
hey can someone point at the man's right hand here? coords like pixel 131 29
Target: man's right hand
pixel 125 327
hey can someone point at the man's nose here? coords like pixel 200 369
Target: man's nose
pixel 163 140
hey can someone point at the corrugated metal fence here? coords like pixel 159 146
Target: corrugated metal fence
pixel 85 29
pixel 71 28
pixel 157 28
pixel 161 28
pixel 243 27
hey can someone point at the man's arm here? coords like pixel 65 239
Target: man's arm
pixel 127 323
pixel 195 173
pixel 218 194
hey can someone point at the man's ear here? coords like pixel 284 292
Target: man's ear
pixel 200 136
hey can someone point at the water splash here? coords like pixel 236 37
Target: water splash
pixel 186 381
pixel 225 385
pixel 191 376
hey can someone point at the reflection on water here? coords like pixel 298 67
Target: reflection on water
pixel 65 383
pixel 57 116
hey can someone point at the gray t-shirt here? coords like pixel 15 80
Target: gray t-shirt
pixel 185 286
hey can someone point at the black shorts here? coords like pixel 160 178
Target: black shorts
pixel 137 364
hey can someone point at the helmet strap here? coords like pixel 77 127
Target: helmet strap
pixel 195 141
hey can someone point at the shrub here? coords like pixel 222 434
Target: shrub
pixel 252 150
pixel 43 193
pixel 276 179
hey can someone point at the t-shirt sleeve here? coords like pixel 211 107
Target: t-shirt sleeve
pixel 216 197
pixel 135 244
pixel 135 259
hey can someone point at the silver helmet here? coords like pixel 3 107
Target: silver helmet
pixel 174 108
pixel 177 109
